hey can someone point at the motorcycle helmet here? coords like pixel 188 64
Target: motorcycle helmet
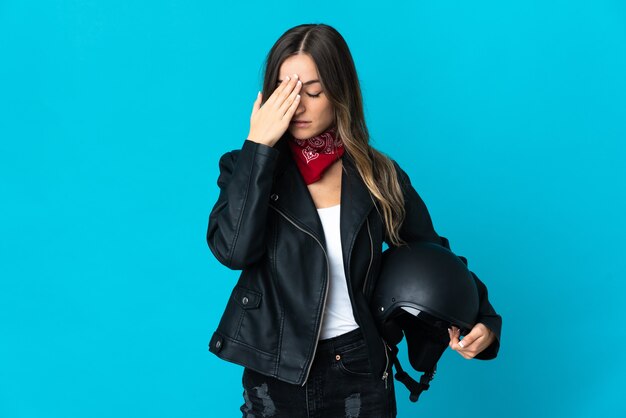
pixel 422 290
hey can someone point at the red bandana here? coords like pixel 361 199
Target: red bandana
pixel 314 155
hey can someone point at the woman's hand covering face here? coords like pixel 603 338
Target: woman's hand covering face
pixel 269 122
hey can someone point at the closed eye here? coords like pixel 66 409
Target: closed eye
pixel 314 95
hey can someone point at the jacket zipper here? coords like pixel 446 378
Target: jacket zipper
pixel 369 233
pixel 385 373
pixel 371 256
pixel 319 328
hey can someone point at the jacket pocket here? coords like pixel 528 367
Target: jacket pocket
pixel 246 298
pixel 255 319
pixel 245 303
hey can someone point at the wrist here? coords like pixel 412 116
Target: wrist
pixel 261 141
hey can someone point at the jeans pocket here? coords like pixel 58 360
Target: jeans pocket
pixel 354 361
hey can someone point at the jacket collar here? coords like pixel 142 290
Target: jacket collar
pixel 296 202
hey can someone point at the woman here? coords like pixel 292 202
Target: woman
pixel 303 210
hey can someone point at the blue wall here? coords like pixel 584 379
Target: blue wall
pixel 509 117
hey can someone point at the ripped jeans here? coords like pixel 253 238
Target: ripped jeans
pixel 340 384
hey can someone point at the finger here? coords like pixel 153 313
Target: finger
pixel 286 91
pixel 292 108
pixel 454 338
pixel 477 331
pixel 468 340
pixel 456 331
pixel 457 345
pixel 287 104
pixel 272 99
pixel 477 347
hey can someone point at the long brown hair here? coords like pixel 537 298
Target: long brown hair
pixel 338 77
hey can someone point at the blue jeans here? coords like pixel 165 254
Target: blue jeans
pixel 340 384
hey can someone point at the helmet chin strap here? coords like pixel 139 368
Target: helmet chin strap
pixel 416 388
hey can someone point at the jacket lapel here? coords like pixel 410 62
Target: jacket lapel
pixel 295 200
pixel 292 195
pixel 356 204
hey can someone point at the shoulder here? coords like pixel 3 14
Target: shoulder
pixel 402 176
pixel 406 185
pixel 249 150
pixel 380 161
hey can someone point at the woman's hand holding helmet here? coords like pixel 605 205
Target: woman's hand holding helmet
pixel 479 338
pixel 269 122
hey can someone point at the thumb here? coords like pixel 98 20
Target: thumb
pixel 468 340
pixel 257 103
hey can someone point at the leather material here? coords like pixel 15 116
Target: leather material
pixel 265 224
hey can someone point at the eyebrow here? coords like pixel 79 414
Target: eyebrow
pixel 305 83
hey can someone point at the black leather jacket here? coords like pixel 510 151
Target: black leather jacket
pixel 266 224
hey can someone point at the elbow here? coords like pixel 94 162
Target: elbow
pixel 222 256
pixel 233 256
pixel 222 252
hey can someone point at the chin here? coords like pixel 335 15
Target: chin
pixel 300 133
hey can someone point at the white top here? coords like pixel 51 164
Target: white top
pixel 338 318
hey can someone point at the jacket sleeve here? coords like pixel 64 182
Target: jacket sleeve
pixel 417 226
pixel 237 221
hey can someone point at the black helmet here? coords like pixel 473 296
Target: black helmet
pixel 423 289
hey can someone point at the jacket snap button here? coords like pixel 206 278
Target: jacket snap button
pixel 337 357
pixel 244 300
pixel 274 197
pixel 218 344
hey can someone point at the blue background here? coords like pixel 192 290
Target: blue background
pixel 508 116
